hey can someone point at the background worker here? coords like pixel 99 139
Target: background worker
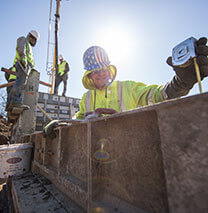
pixel 106 96
pixel 23 62
pixel 10 78
pixel 62 75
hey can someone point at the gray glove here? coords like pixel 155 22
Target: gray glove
pixel 185 77
pixel 48 130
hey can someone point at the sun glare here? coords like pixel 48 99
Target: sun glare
pixel 117 42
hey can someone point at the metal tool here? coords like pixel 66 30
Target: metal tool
pixel 14 73
pixel 182 55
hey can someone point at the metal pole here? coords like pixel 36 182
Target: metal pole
pixel 57 15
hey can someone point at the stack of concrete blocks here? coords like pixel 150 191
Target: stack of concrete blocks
pixel 57 107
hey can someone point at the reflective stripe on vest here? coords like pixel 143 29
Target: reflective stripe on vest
pixel 164 94
pixel 88 101
pixel 149 97
pixel 30 54
pixel 120 97
pixel 61 68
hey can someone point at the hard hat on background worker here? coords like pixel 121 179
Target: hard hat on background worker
pixel 35 34
pixel 60 57
pixel 95 58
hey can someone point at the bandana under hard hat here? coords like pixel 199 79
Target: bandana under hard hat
pixel 95 58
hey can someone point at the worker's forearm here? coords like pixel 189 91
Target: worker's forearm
pixel 21 46
pixel 176 88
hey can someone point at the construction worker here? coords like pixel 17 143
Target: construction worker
pixel 23 62
pixel 62 75
pixel 10 78
pixel 107 96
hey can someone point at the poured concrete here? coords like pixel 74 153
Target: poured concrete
pixel 36 194
pixel 26 122
pixel 152 159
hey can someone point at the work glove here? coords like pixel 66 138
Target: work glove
pixel 108 111
pixel 48 130
pixel 99 112
pixel 185 77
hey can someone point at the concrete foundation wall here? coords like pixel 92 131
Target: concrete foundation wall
pixel 183 126
pixel 134 170
pixel 152 159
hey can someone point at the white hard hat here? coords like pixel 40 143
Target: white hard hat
pixel 60 57
pixel 35 34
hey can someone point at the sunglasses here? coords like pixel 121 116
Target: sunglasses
pixel 106 69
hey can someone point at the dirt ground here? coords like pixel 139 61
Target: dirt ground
pixel 4 138
pixel 4 204
pixel 5 133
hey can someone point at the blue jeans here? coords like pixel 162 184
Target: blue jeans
pixel 15 95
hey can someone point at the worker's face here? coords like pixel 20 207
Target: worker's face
pixel 32 40
pixel 100 78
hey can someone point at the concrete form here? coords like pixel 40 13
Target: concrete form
pixel 26 121
pixel 152 159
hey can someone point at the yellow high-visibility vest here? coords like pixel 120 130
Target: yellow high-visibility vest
pixel 11 76
pixel 28 58
pixel 121 96
pixel 61 68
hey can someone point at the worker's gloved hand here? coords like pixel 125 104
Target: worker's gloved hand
pixel 48 130
pixel 186 76
pixel 99 112
pixel 108 111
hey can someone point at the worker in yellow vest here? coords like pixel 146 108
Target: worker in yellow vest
pixel 107 96
pixel 10 78
pixel 62 75
pixel 23 63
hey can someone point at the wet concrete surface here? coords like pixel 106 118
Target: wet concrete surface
pixel 36 194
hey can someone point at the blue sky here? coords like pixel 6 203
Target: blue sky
pixel 137 34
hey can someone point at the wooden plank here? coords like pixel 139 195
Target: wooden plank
pixel 7 84
pixel 14 73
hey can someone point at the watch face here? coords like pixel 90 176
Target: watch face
pixel 184 52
